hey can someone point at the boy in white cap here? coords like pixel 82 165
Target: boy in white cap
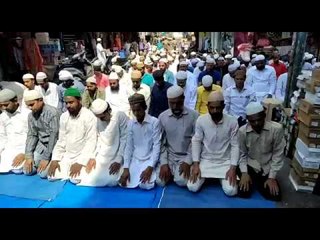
pixel 142 150
pixel 190 92
pixel 215 148
pixel 178 126
pixel 30 84
pixel 237 97
pixel 104 168
pixel 117 95
pixel 203 93
pixel 228 79
pixel 92 92
pixel 262 78
pixel 49 90
pixel 13 133
pixel 261 154
pixel 43 129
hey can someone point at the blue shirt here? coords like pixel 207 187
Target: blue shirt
pixel 169 77
pixel 159 100
pixel 214 74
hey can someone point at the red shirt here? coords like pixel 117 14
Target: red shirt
pixel 102 80
pixel 280 68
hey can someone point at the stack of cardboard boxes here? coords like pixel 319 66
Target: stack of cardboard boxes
pixel 306 160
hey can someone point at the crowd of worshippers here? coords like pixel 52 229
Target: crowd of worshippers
pixel 166 119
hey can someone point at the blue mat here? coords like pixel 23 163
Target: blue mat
pixel 209 197
pixel 13 202
pixel 116 197
pixel 30 187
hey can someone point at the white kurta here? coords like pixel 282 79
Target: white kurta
pixel 142 148
pixel 110 149
pixel 227 81
pixel 281 87
pixel 77 141
pixel 118 100
pixel 101 54
pixel 263 82
pixel 215 146
pixel 13 136
pixel 51 96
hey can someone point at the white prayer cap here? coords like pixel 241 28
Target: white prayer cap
pixel 98 106
pixel 204 55
pixel 97 63
pixel 220 58
pixel 163 54
pixel 194 61
pixel 148 62
pixel 254 56
pixel 41 76
pixel 215 96
pixel 228 56
pixel 200 64
pixel 133 54
pixel 32 95
pixel 254 108
pixel 173 55
pixel 242 65
pixel 98 39
pixel 163 60
pixel 308 56
pixel 117 68
pixel 183 63
pixel 134 62
pixel 234 66
pixel 6 95
pixel 27 76
pixel 113 76
pixel 91 80
pixel 65 75
pixel 184 55
pixel 193 53
pixel 210 61
pixel 182 75
pixel 156 58
pixel 170 59
pixel 246 59
pixel 207 81
pixel 314 60
pixel 154 48
pixel 174 91
pixel 260 57
pixel 157 52
pixel 216 56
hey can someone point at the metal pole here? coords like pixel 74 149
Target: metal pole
pixel 295 65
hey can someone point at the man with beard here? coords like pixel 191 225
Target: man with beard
pixel 117 95
pixel 262 78
pixel 216 76
pixel 168 75
pixel 159 100
pixel 278 65
pixel 43 129
pixel 67 82
pixel 228 79
pixel 49 90
pixel 13 133
pixel 77 140
pixel 142 148
pixel 178 124
pixel 104 168
pixel 261 154
pixel 215 148
pixel 92 92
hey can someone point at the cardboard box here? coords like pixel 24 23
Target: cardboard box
pixel 312 154
pixel 316 75
pixel 297 165
pixel 310 142
pixel 270 104
pixel 309 176
pixel 309 131
pixel 310 120
pixel 308 107
pixel 296 182
pixel 300 181
pixel 304 163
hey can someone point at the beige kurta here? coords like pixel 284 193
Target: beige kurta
pixel 215 146
pixel 262 151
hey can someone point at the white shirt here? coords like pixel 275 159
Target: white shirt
pixel 77 137
pixel 118 100
pixel 263 82
pixel 227 81
pixel 190 97
pixel 112 138
pixel 101 54
pixel 196 72
pixel 144 90
pixel 215 146
pixel 236 102
pixel 13 130
pixel 281 87
pixel 51 96
pixel 307 66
